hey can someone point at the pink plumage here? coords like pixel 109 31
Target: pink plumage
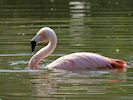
pixel 86 60
pixel 81 60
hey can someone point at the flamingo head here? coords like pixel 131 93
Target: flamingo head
pixel 43 35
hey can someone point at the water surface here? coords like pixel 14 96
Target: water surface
pixel 100 26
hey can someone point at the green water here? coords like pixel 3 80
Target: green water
pixel 100 26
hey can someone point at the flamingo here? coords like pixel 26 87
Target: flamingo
pixel 79 60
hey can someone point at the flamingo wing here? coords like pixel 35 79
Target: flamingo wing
pixel 85 61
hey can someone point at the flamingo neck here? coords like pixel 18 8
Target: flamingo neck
pixel 44 52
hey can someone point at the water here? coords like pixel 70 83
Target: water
pixel 101 26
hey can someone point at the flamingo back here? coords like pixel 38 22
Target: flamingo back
pixel 85 60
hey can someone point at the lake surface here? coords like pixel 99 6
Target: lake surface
pixel 100 26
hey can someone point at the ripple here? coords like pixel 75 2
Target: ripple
pixel 25 54
pixel 18 62
pixel 14 55
pixel 16 71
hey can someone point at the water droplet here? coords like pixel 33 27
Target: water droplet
pixel 52 9
pixel 18 33
pixel 117 50
pixel 116 3
pixel 52 0
pixel 129 14
pixel 23 33
pixel 107 36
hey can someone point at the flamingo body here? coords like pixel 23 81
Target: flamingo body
pixel 86 60
pixel 81 60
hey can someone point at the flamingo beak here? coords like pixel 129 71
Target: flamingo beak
pixel 33 45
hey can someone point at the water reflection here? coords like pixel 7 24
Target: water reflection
pixel 77 27
pixel 64 84
pixel 101 26
pixel 77 12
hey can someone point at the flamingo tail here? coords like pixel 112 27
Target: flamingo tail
pixel 118 64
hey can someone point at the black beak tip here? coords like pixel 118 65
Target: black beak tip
pixel 33 44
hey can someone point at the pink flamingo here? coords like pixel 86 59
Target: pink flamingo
pixel 80 60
